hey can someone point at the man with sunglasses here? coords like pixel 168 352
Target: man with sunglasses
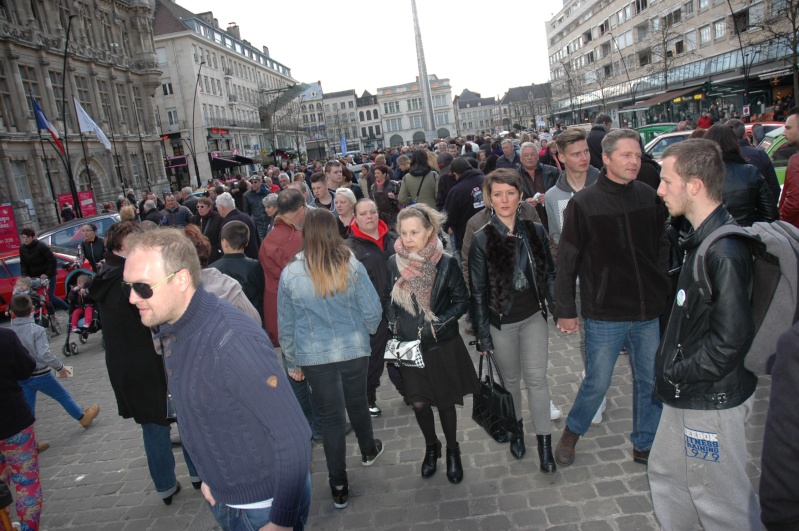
pixel 229 390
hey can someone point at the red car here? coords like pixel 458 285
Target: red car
pixel 10 269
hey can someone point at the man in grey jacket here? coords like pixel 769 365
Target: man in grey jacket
pixel 253 205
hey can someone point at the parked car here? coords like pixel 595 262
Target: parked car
pixel 66 236
pixel 767 127
pixel 657 146
pixel 652 131
pixel 10 272
pixel 779 151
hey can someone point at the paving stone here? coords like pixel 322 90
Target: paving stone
pixel 452 510
pixel 562 514
pixel 491 523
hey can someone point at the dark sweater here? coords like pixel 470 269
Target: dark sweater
pixel 248 273
pixel 255 242
pixel 15 364
pixel 36 259
pixel 239 419
pixel 464 200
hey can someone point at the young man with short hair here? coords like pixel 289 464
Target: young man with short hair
pixel 246 271
pixel 323 196
pixel 697 466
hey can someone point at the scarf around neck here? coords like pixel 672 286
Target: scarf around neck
pixel 417 276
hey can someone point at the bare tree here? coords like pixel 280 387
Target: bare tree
pixel 571 83
pixel 781 23
pixel 667 47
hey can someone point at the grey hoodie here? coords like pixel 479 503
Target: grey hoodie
pixel 34 338
pixel 558 197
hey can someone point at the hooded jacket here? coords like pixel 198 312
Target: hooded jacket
pixel 559 196
pixel 419 186
pixel 36 259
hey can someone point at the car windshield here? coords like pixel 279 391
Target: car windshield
pixel 663 143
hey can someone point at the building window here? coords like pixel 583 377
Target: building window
pixel 57 82
pixel 350 105
pixel 688 7
pixel 6 108
pixel 416 121
pixel 690 40
pixel 415 104
pixel 741 21
pixel 172 116
pixel 442 118
pixel 679 47
pixel 394 124
pixel 122 98
pixel 704 35
pixel 377 130
pixel 166 87
pixel 719 29
pixel 102 88
pixel 30 84
pixel 137 104
pixel 361 116
pixel 391 107
pixel 369 115
pixel 20 175
pixel 640 5
pixel 134 166
pixel 702 5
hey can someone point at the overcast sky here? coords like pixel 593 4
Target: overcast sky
pixel 482 45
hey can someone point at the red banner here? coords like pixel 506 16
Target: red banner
pixel 87 205
pixel 9 237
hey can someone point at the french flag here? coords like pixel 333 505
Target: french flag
pixel 43 123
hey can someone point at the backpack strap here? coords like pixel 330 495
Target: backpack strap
pixel 699 269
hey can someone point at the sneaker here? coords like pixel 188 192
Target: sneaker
pixel 598 416
pixel 374 410
pixel 74 329
pixel 42 446
pixel 340 496
pixel 89 414
pixel 554 411
pixel 368 459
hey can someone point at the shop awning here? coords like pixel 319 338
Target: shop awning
pixel 214 136
pixel 663 98
pixel 243 160
pixel 220 163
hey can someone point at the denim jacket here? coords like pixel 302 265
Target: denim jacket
pixel 313 330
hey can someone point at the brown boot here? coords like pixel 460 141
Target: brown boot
pixel 89 414
pixel 564 452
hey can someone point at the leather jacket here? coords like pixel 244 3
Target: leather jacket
pixel 492 259
pixel 746 195
pixel 449 300
pixel 700 362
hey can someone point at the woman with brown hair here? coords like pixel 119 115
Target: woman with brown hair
pixel 327 307
pixel 384 193
pixel 350 182
pixel 427 297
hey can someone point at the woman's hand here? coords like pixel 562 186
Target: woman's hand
pixel 391 196
pixel 297 375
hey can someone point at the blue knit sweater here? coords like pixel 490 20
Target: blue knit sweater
pixel 239 419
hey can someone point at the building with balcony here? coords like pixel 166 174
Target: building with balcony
pixel 475 115
pixel 341 119
pixel 112 71
pixel 369 122
pixel 402 114
pixel 653 60
pixel 221 100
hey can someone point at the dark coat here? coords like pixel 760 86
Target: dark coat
pixel 373 259
pixel 760 160
pixel 465 199
pixel 154 215
pixel 248 273
pixel 252 246
pixel 135 370
pixel 93 251
pixel 211 227
pixel 36 259
pixel 746 195
pixel 191 203
pixel 15 364
pixel 594 139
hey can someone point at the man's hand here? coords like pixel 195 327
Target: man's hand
pixel 569 326
pixel 206 490
pixel 63 373
pixel 297 375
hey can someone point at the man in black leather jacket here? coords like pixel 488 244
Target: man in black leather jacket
pixel 697 466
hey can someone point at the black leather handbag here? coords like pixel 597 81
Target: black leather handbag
pixel 493 404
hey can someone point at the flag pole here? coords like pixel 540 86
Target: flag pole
pixel 83 145
pixel 47 167
pixel 113 141
pixel 67 163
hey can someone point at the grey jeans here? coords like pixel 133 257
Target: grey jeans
pixel 522 351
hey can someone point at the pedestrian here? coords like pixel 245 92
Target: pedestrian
pixel 210 223
pixel 37 260
pixel 598 131
pixel 425 297
pixel 697 465
pixel 34 338
pixel 789 200
pixel 345 210
pixel 512 279
pixel 384 193
pixel 67 214
pixel 243 269
pixel 92 246
pixel 175 215
pixel 263 476
pixel 253 205
pixel 420 184
pixel 326 289
pixel 19 454
pixel 614 239
pixel 228 211
pixel 135 369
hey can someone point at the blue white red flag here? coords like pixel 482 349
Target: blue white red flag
pixel 43 123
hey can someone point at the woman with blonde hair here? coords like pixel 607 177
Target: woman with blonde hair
pixel 327 308
pixel 345 210
pixel 427 297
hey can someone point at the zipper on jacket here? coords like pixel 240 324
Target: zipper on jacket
pixel 635 258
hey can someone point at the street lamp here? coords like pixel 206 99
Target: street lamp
pixel 193 131
pixel 72 188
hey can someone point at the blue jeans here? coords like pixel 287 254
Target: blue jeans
pixel 55 301
pixel 338 386
pixel 302 391
pixel 48 385
pixel 254 519
pixel 603 342
pixel 161 460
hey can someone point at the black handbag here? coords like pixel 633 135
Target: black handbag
pixel 493 404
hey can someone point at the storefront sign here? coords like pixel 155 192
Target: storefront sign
pixel 9 237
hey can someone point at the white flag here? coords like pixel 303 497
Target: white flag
pixel 87 125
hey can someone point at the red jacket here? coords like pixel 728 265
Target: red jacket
pixel 704 122
pixel 277 250
pixel 789 200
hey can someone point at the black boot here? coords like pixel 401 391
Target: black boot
pixel 454 466
pixel 431 456
pixel 517 440
pixel 548 465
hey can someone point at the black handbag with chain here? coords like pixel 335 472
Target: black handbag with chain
pixel 493 404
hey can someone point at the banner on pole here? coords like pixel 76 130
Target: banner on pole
pixel 9 237
pixel 87 205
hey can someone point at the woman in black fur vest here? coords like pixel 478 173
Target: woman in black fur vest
pixel 512 277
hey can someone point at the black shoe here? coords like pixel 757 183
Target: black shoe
pixel 641 456
pixel 369 458
pixel 340 496
pixel 517 440
pixel 431 456
pixel 168 499
pixel 454 466
pixel 548 465
pixel 197 484
pixel 374 410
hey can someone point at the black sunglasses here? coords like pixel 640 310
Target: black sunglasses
pixel 145 291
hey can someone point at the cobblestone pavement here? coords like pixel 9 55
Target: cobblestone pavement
pixel 97 479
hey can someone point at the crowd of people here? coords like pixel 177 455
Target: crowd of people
pixel 257 316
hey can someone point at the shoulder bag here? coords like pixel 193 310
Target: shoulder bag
pixel 493 404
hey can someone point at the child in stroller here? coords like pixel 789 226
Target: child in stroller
pixel 80 303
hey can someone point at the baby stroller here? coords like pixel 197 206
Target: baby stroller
pixel 37 289
pixel 84 329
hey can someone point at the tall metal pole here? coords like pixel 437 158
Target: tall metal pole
pixel 141 146
pixel 424 81
pixel 193 145
pixel 113 141
pixel 49 178
pixel 70 176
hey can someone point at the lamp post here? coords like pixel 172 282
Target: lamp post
pixel 193 131
pixel 72 188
